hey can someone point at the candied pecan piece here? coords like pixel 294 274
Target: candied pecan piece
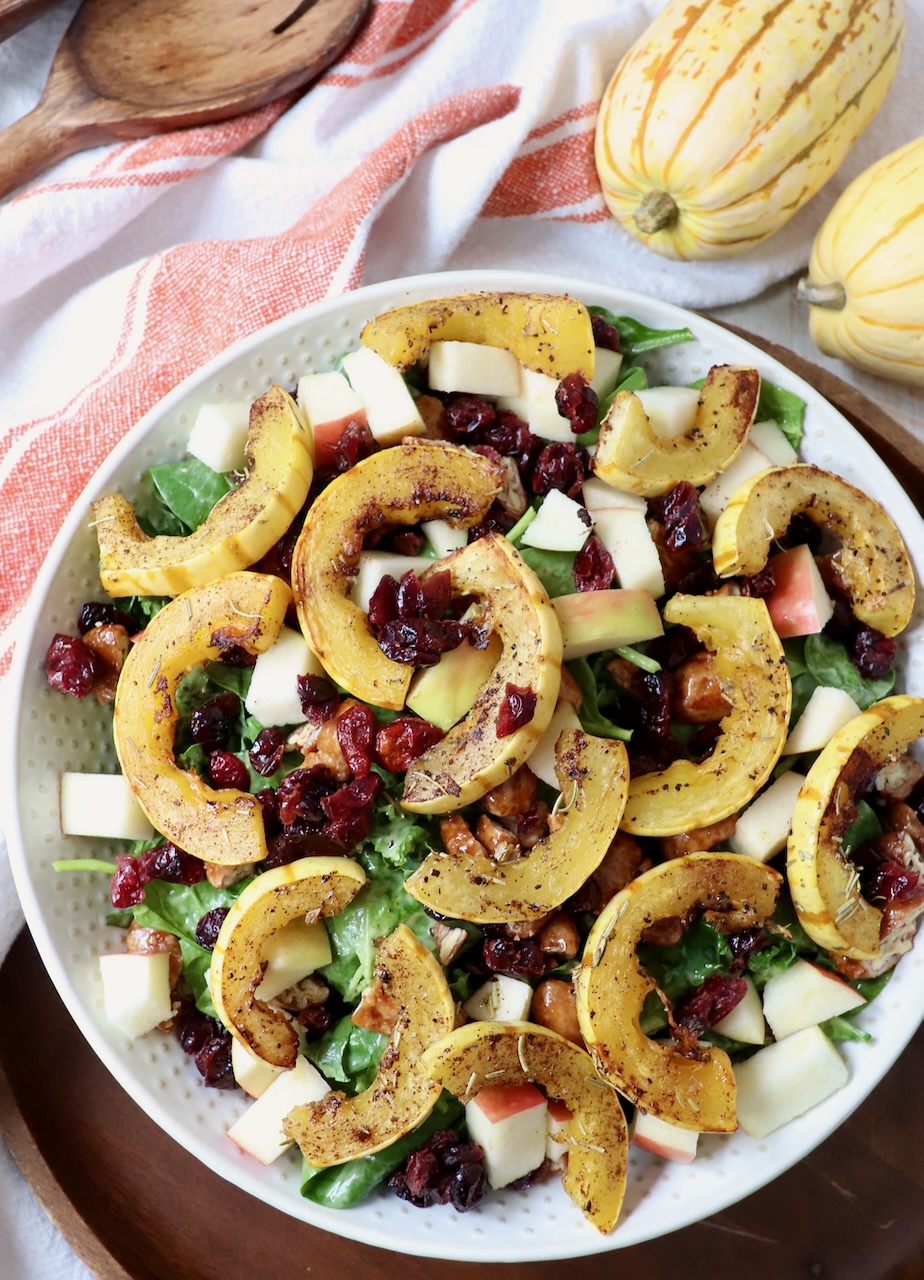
pixel 697 696
pixel 142 941
pixel 109 645
pixel 500 843
pixel 622 862
pixel 377 1009
pixel 457 837
pixel 515 796
pixel 699 839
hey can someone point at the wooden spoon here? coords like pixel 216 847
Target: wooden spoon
pixel 16 13
pixel 129 68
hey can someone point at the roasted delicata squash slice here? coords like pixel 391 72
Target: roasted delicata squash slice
pixel 611 985
pixel 472 758
pixel 552 335
pixel 402 1094
pixel 487 1053
pixel 748 659
pixel 309 888
pixel 239 530
pixel 872 561
pixel 824 885
pixel 414 481
pixel 245 610
pixel 632 458
pixel 593 774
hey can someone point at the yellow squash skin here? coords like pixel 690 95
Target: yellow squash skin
pixel 872 562
pixel 339 1128
pixel 516 1052
pixel 727 116
pixel 550 334
pixel 864 285
pixel 611 985
pixel 241 609
pixel 414 481
pixel 822 881
pixel 239 530
pixel 471 758
pixel 749 661
pixel 632 458
pixel 314 887
pixel 594 776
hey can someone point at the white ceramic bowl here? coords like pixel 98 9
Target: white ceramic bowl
pixel 49 733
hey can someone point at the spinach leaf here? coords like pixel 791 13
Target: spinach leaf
pixel 701 952
pixel 785 408
pixel 635 337
pixel 189 489
pixel 347 1054
pixel 596 697
pixel 554 569
pixel 146 607
pixel 633 378
pixel 829 663
pixel 865 827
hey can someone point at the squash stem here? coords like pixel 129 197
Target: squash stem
pixel 657 211
pixel 831 296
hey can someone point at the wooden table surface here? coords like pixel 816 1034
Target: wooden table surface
pixel 135 1206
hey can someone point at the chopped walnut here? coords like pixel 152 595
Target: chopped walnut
pixel 449 941
pixel 457 837
pixel 521 929
pixel 377 1010
pixel 433 413
pixel 512 497
pixel 308 991
pixel 142 941
pixel 222 877
pixel 898 778
pixel 501 844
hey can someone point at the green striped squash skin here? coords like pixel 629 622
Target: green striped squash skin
pixel 867 270
pixel 727 116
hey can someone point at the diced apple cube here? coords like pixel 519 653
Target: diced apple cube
pixel 799 604
pixel 804 995
pixel 219 435
pixel 536 405
pixel 500 999
pixel 770 440
pixel 763 828
pixel 508 1121
pixel 445 692
pixel 444 537
pixel 259 1130
pixel 473 367
pixel 390 409
pixel 561 524
pixel 292 953
pixel 375 565
pixel 607 366
pixel 253 1074
pixel 273 694
pixel 663 1139
pixel 746 1022
pixel 558 1116
pixel 329 403
pixel 136 990
pixel 827 710
pixel 103 805
pixel 542 760
pixel 718 492
pixel 594 620
pixel 671 411
pixel 625 534
pixel 597 496
pixel 786 1079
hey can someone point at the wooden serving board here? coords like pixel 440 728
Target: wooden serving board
pixel 136 1206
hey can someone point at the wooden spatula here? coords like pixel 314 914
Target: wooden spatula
pixel 130 68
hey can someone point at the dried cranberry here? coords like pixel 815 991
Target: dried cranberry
pixel 398 744
pixel 226 770
pixel 674 647
pixel 315 1018
pixel 889 881
pixel 406 542
pixel 467 415
pixel 167 862
pixel 383 603
pixel 605 335
pixel 577 401
pixel 126 889
pixel 420 642
pixel 349 809
pixel 98 613
pixel 593 569
pixel 299 795
pixel 356 735
pixel 299 842
pixel 211 723
pixel 513 955
pixel 442 1171
pixel 743 943
pixel 278 560
pixel 684 527
pixel 356 442
pixel 70 667
pixel 267 751
pixel 760 585
pixel 209 926
pixel 710 1003
pixel 213 1062
pixel 558 466
pixel 436 590
pixel 235 655
pixel 873 654
pixel 497 520
pixel 517 709
pixel 192 1028
pixel 701 579
pixel 512 438
pixel 802 531
pixel 318 698
pixel 703 743
pixel 271 823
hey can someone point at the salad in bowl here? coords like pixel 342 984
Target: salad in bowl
pixel 513 793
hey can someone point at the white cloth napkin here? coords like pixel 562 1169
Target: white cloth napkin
pixel 454 133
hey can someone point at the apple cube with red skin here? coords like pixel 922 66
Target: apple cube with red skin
pixel 508 1121
pixel 653 1134
pixel 329 404
pixel 594 620
pixel 804 995
pixel 259 1130
pixel 799 604
pixel 746 1022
